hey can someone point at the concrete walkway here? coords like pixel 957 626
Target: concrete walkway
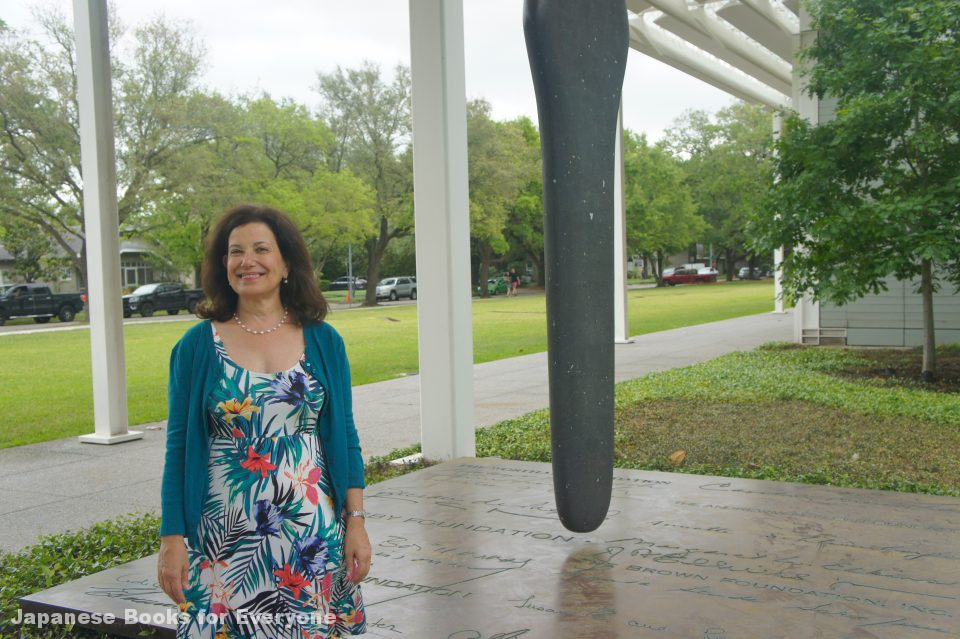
pixel 59 485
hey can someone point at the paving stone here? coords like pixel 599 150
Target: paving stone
pixel 472 549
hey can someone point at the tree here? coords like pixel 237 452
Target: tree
pixel 728 169
pixel 661 214
pixel 210 178
pixel 274 153
pixel 371 124
pixel 499 166
pixel 34 256
pixel 289 137
pixel 40 147
pixel 875 191
pixel 292 149
pixel 525 224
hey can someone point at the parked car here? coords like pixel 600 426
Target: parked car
pixel 343 284
pixel 688 276
pixel 161 296
pixel 495 286
pixel 393 288
pixel 38 302
pixel 746 274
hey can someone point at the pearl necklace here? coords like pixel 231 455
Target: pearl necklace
pixel 282 321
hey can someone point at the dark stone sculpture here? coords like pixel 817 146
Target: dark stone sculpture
pixel 578 53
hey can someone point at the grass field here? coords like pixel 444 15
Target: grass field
pixel 46 377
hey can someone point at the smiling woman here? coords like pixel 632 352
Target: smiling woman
pixel 261 441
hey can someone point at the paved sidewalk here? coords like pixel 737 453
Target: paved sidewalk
pixel 59 485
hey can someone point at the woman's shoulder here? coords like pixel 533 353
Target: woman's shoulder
pixel 193 334
pixel 318 327
pixel 321 330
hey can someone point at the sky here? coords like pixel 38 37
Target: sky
pixel 279 47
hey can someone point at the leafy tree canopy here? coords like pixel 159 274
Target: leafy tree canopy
pixel 661 214
pixel 873 192
pixel 726 163
pixel 155 90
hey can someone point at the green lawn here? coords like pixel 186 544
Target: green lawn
pixel 341 296
pixel 381 342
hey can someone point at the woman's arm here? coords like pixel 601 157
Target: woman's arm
pixel 172 518
pixel 173 565
pixel 357 554
pixel 355 478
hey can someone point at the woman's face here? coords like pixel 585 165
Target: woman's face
pixel 255 267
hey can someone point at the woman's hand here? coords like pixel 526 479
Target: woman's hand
pixel 357 554
pixel 173 567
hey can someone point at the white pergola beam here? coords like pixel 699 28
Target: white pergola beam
pixel 97 158
pixel 441 205
pixel 703 18
pixel 650 38
pixel 734 40
pixel 716 49
pixel 758 28
pixel 780 17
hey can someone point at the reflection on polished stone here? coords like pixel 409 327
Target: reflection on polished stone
pixel 472 549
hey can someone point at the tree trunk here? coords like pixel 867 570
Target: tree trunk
pixel 658 267
pixel 81 264
pixel 375 247
pixel 929 372
pixel 731 259
pixel 485 255
pixel 537 260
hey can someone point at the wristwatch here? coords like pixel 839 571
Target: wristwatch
pixel 362 514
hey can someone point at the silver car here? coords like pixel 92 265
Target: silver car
pixel 393 288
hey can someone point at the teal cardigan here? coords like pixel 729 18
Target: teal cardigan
pixel 194 372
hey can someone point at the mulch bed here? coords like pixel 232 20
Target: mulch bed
pixel 891 367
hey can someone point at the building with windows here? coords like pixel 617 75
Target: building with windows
pixel 138 265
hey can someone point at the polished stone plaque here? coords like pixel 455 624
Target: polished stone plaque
pixel 472 549
pixel 125 600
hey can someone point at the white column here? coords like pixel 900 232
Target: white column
pixel 777 253
pixel 621 321
pixel 442 209
pixel 806 314
pixel 777 283
pixel 104 307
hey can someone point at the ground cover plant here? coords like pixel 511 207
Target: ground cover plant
pixel 783 412
pixel 381 342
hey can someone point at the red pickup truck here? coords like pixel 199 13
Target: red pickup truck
pixel 688 276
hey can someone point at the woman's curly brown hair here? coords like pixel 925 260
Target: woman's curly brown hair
pixel 300 294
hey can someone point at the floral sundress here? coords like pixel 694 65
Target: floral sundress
pixel 271 564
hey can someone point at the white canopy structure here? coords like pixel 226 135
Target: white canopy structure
pixel 744 47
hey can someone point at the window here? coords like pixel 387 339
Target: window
pixel 135 271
